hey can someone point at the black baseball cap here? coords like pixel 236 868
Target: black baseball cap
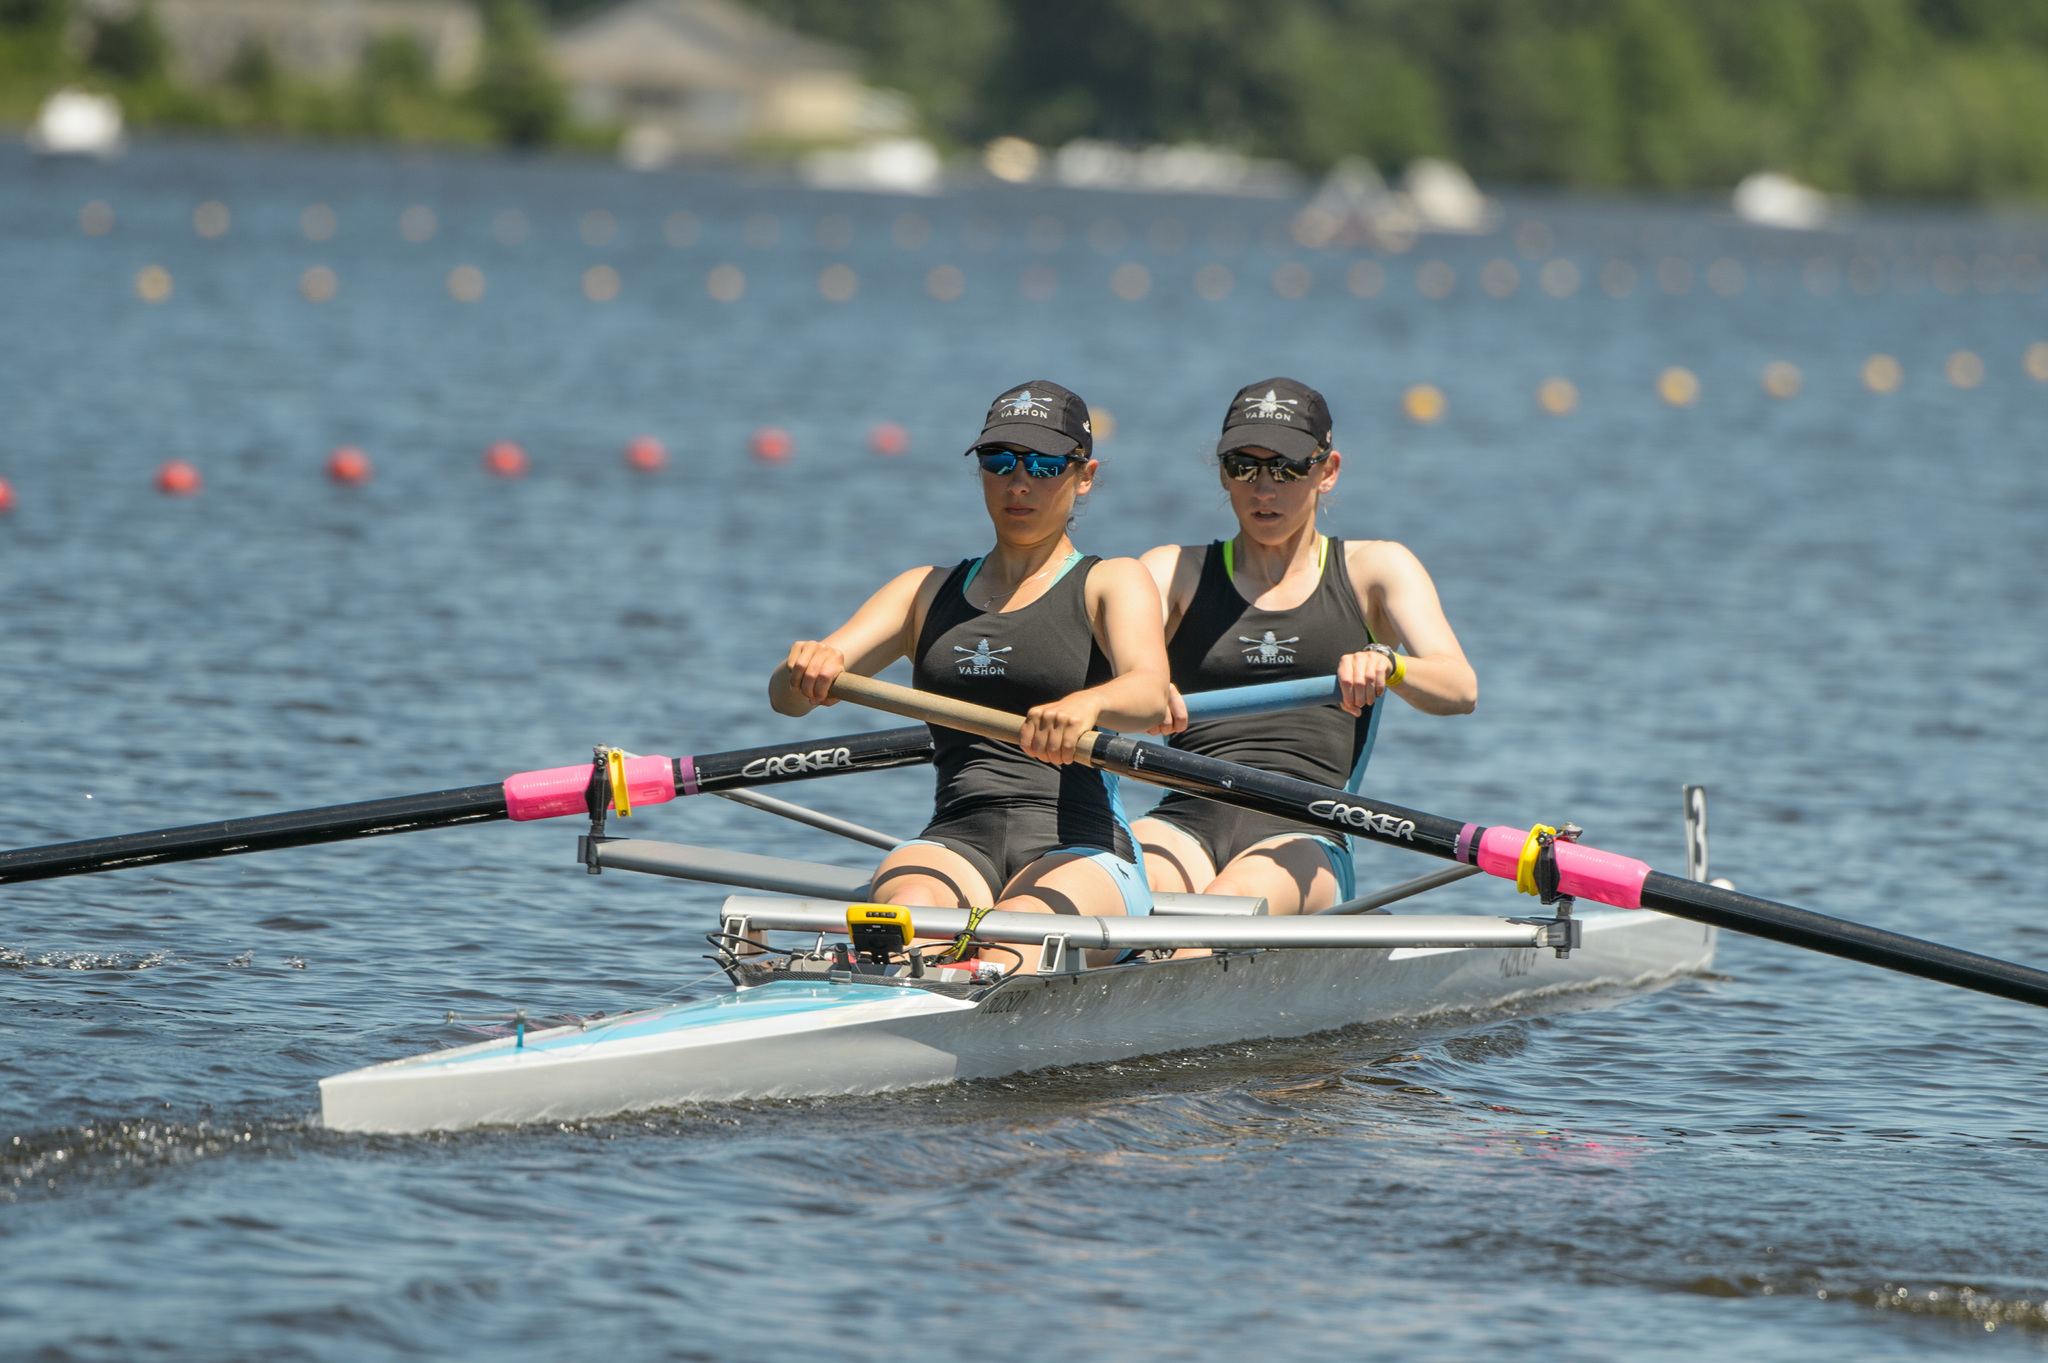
pixel 1039 415
pixel 1281 415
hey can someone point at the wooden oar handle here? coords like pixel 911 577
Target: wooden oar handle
pixel 941 710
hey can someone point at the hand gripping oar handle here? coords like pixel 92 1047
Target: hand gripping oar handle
pixel 1582 872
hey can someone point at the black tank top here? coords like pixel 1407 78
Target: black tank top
pixel 1224 640
pixel 1013 660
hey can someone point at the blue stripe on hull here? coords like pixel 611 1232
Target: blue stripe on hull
pixel 778 998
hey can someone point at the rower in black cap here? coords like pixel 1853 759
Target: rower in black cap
pixel 1070 640
pixel 1276 601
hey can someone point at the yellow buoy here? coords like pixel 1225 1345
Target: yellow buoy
pixel 153 284
pixel 1965 369
pixel 600 283
pixel 1559 397
pixel 2037 361
pixel 1424 403
pixel 1782 379
pixel 1882 374
pixel 466 284
pixel 318 284
pixel 1679 387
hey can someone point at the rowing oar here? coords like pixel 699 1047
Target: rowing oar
pixel 1555 866
pixel 555 792
pixel 529 795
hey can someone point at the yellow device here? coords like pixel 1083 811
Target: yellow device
pixel 879 931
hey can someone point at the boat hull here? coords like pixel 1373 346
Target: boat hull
pixel 796 1038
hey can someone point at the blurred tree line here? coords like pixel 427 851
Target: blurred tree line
pixel 514 98
pixel 1895 97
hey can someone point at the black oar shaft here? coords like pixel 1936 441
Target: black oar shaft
pixel 297 828
pixel 762 766
pixel 1629 884
pixel 1229 783
pixel 1711 904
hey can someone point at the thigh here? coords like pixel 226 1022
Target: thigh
pixel 1175 860
pixel 1292 873
pixel 929 873
pixel 1075 882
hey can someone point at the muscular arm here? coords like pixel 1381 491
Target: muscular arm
pixel 1124 612
pixel 876 635
pixel 1127 614
pixel 1397 593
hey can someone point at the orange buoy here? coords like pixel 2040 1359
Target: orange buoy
pixel 6 497
pixel 772 445
pixel 645 454
pixel 506 460
pixel 888 438
pixel 177 479
pixel 349 465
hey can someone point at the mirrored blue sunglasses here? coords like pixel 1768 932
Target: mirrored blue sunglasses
pixel 1002 463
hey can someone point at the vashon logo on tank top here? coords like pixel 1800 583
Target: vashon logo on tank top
pixel 981 660
pixel 1266 650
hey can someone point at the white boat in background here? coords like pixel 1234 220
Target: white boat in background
pixel 78 123
pixel 1176 168
pixel 1770 199
pixel 1355 207
pixel 1445 199
pixel 885 165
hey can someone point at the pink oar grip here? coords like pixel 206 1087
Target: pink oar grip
pixel 1582 872
pixel 559 790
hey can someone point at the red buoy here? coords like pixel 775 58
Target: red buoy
pixel 177 479
pixel 349 465
pixel 645 454
pixel 888 438
pixel 772 445
pixel 506 460
pixel 6 497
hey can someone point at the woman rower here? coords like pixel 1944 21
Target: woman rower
pixel 1280 600
pixel 1072 641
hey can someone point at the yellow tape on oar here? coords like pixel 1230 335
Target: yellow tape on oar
pixel 622 795
pixel 1525 869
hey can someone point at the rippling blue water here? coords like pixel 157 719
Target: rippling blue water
pixel 1826 609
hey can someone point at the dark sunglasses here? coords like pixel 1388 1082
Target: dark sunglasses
pixel 1244 468
pixel 1002 463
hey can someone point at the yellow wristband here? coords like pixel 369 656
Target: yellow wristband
pixel 1400 672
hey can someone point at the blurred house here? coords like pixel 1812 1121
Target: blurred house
pixel 696 76
pixel 315 39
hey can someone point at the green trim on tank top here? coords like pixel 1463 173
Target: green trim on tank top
pixel 1230 556
pixel 1065 564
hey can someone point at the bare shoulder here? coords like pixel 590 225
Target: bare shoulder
pixel 1376 563
pixel 1119 575
pixel 1175 567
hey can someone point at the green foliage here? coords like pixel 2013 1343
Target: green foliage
pixel 131 47
pixel 515 91
pixel 1891 96
pixel 1895 97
